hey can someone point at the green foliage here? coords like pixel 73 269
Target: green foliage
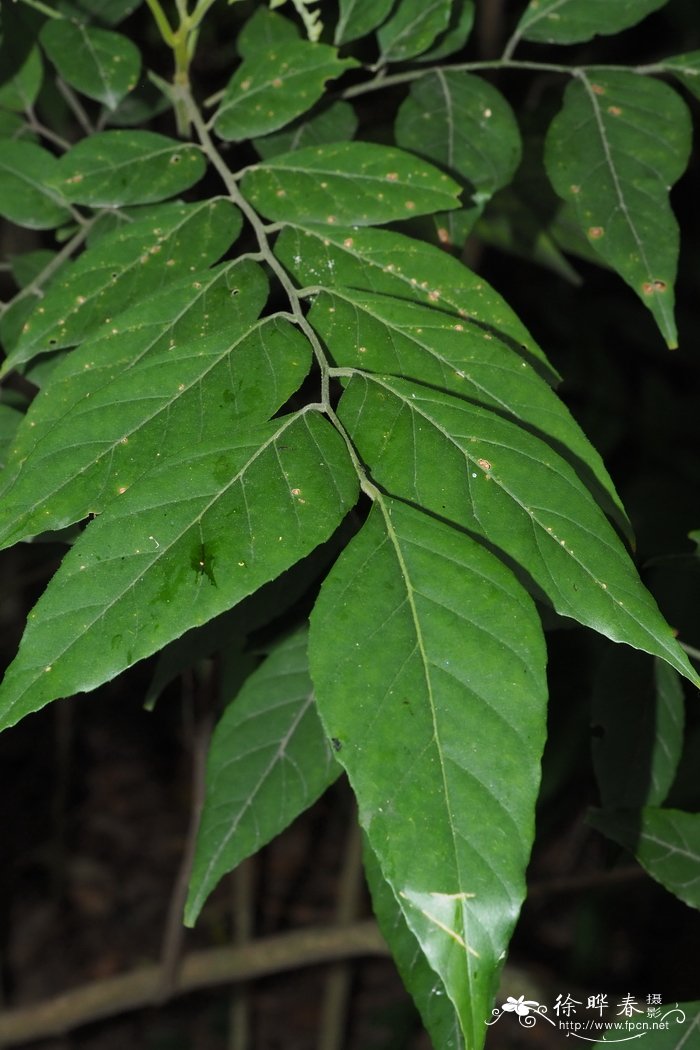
pixel 242 379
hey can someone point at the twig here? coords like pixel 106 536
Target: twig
pixel 337 991
pixel 76 106
pixel 204 969
pixel 171 952
pixel 242 886
pixel 35 124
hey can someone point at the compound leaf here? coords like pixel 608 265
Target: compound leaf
pixel 412 28
pixel 113 168
pixel 97 62
pixel 385 261
pixel 118 405
pixel 124 266
pixel 574 21
pixel 666 842
pixel 357 183
pixel 269 760
pixel 614 151
pixel 187 541
pixel 439 708
pixel 492 478
pixel 27 195
pixel 379 333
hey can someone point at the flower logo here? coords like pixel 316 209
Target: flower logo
pixel 520 1006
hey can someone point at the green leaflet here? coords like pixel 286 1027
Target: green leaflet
pixel 112 168
pixel 337 123
pixel 27 195
pixel 492 478
pixel 22 89
pixel 614 151
pixel 10 419
pixel 412 28
pixel 635 759
pixel 428 991
pixel 97 62
pixel 438 704
pixel 118 405
pixel 125 266
pixel 273 86
pixel 384 261
pixel 379 333
pixel 574 21
pixel 269 760
pixel 187 541
pixel 685 68
pixel 666 842
pixel 110 11
pixel 265 29
pixel 359 17
pixel 455 36
pixel 466 125
pixel 357 183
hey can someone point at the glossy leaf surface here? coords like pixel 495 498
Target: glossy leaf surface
pixel 462 337
pixel 385 261
pixel 574 21
pixel 188 541
pixel 352 182
pixel 436 1009
pixel 269 760
pixel 614 151
pixel 466 125
pixel 123 267
pixel 192 377
pixel 97 62
pixel 113 168
pixel 272 87
pixel 492 478
pixel 380 333
pixel 413 653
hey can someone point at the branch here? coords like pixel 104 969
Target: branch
pixel 203 969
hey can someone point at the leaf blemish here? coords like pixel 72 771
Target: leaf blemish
pixel 614 111
pixel 651 287
pixel 597 89
pixel 596 232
